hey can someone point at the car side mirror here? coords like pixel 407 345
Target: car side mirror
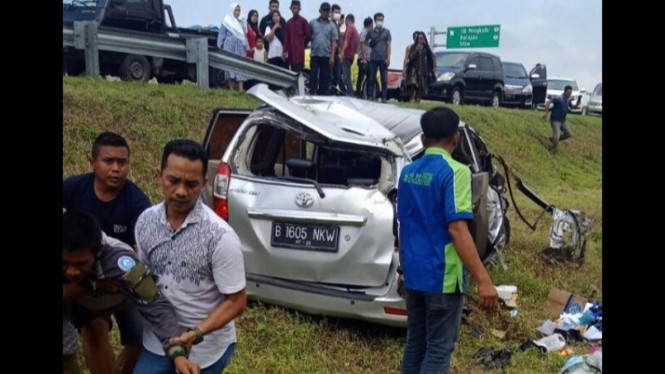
pixel 472 67
pixel 535 76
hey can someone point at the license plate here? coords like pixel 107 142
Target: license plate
pixel 304 236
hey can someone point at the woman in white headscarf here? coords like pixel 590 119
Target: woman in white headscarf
pixel 232 37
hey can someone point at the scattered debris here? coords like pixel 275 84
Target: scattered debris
pixel 559 302
pixel 499 334
pixel 475 329
pixel 508 294
pixel 593 334
pixel 566 352
pixel 492 359
pixel 552 343
pixel 547 328
pixel 588 364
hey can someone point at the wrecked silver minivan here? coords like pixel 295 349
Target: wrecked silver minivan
pixel 309 184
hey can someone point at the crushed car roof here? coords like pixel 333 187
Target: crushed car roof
pixel 347 119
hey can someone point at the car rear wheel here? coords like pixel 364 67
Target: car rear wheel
pixel 499 245
pixel 496 99
pixel 135 68
pixel 456 98
pixel 216 78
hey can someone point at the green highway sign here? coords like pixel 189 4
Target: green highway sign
pixel 473 36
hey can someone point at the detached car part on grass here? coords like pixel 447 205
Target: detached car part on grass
pixel 309 184
pixel 570 229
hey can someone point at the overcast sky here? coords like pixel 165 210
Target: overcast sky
pixel 565 35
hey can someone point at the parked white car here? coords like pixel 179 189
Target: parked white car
pixel 595 103
pixel 555 88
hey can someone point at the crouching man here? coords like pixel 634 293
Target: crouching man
pixel 102 275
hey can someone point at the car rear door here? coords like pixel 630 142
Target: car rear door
pixel 487 77
pixel 222 127
pixel 472 77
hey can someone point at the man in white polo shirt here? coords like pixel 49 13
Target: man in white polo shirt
pixel 198 262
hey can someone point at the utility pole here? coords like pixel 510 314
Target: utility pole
pixel 432 36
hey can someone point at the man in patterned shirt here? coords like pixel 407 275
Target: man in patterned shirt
pixel 198 262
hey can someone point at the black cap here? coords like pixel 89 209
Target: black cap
pixel 325 6
pixel 295 2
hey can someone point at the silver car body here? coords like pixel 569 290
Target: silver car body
pixel 341 257
pixel 595 103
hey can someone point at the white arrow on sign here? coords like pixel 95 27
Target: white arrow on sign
pixel 496 29
pixel 452 32
pixel 496 37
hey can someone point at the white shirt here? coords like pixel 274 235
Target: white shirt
pixel 276 49
pixel 259 54
pixel 195 266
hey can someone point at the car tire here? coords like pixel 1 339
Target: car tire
pixel 489 252
pixel 135 68
pixel 456 97
pixel 216 78
pixel 496 99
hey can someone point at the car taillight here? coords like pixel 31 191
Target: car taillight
pixel 220 190
pixel 394 311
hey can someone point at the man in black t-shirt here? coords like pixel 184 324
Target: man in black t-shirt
pixel 116 203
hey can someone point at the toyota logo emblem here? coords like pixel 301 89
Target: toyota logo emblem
pixel 304 200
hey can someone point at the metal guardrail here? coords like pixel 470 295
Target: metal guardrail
pixel 92 38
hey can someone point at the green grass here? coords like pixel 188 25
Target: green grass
pixel 275 340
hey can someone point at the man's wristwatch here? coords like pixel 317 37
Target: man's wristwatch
pixel 199 334
pixel 176 351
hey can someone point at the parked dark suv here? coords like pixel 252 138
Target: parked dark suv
pixel 468 77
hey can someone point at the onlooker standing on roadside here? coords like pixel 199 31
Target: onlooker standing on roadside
pixel 298 35
pixel 337 82
pixel 267 19
pixel 259 53
pixel 437 250
pixel 275 38
pixel 348 51
pixel 379 40
pixel 324 43
pixel 252 31
pixel 419 64
pixel 232 37
pixel 363 50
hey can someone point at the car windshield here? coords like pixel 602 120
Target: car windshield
pixel 450 59
pixel 514 70
pixel 560 84
pixel 599 90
